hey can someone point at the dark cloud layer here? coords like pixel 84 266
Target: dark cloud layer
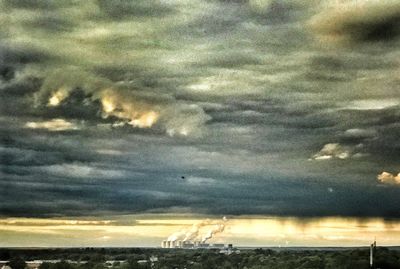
pixel 212 107
pixel 364 22
pixel 123 9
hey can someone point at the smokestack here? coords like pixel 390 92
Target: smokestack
pixel 180 244
pixel 371 255
pixel 372 252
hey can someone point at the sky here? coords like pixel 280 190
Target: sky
pixel 264 111
pixel 149 230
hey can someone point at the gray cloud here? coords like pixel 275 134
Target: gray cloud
pixel 122 9
pixel 106 105
pixel 40 4
pixel 364 21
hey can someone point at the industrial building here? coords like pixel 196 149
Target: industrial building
pixel 192 245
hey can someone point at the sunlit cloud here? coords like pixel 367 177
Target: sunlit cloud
pixel 135 112
pixel 53 125
pixel 336 151
pixel 373 104
pixel 389 178
pixel 81 171
pixel 57 97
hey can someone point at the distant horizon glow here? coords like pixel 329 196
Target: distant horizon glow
pixel 150 230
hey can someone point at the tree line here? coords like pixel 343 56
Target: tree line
pixel 93 258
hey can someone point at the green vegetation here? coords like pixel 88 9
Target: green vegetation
pixel 135 258
pixel 17 263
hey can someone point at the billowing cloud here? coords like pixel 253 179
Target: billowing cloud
pixel 334 151
pixel 125 104
pixel 389 178
pixel 136 113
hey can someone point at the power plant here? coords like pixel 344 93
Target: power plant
pixel 192 245
pixel 194 238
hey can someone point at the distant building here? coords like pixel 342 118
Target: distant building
pixel 36 263
pixel 187 244
pixel 179 244
pixel 192 245
pixel 217 246
pixel 111 263
pixel 153 259
pixel 229 251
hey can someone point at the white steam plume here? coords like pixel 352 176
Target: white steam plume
pixel 192 233
pixel 218 228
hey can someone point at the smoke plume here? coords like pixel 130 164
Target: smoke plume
pixel 218 228
pixel 195 232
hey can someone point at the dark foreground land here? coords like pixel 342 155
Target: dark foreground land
pixel 140 258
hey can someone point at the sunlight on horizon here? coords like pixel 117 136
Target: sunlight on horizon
pixel 149 231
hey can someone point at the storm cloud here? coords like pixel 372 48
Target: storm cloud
pixel 286 108
pixel 359 21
